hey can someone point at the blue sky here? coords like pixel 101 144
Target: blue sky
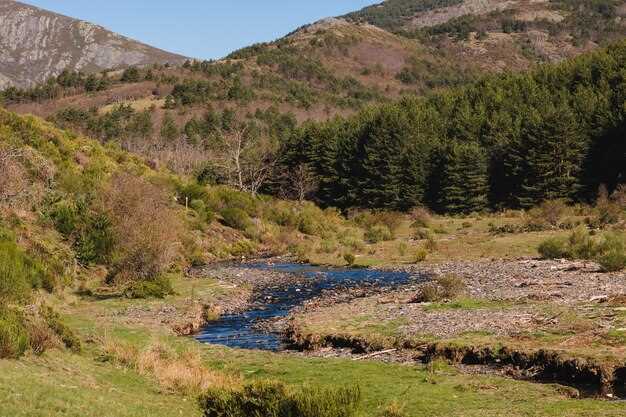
pixel 201 28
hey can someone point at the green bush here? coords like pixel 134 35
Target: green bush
pixel 159 287
pixel 65 217
pixel 96 241
pixel 282 214
pixel 378 233
pixel 14 338
pixel 236 218
pixel 612 253
pixel 349 258
pixel 327 246
pixel 242 248
pixel 19 273
pixel 554 248
pixel 221 198
pixel 186 193
pixel 204 214
pixel 273 399
pixel 581 245
pixel 67 336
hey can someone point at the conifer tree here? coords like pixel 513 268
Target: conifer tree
pixel 169 130
pixel 464 183
pixel 552 151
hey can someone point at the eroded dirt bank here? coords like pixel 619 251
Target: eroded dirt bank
pixel 543 320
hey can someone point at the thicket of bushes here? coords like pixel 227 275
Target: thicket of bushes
pixel 609 250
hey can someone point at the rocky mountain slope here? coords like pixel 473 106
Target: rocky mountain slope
pixel 36 44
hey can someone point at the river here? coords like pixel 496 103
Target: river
pixel 241 330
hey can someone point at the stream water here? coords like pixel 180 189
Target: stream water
pixel 241 330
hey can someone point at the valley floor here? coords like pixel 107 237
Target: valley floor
pixel 89 384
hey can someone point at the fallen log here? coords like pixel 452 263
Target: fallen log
pixel 371 355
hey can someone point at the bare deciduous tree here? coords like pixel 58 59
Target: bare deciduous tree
pixel 300 182
pixel 247 161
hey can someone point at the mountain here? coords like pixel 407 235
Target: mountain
pixel 334 67
pixel 36 44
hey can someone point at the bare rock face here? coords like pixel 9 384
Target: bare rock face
pixel 36 44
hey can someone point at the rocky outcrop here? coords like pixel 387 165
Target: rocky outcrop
pixel 36 44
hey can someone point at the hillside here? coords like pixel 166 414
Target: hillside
pixel 36 44
pixel 502 34
pixel 335 67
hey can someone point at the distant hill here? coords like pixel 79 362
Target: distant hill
pixel 502 34
pixel 36 44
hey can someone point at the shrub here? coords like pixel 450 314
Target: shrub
pixel 421 217
pixel 19 273
pixel 554 248
pixel 448 286
pixel 14 338
pixel 221 198
pixel 327 246
pixel 612 253
pixel 349 258
pixel 431 244
pixel 428 293
pixel 145 227
pixel 273 399
pixel 282 214
pixel 67 336
pixel 186 193
pixel 402 248
pixel 420 255
pixel 367 220
pixel 581 245
pixel 96 241
pixel 236 218
pixel 421 233
pixel 159 287
pixel 204 214
pixel 242 248
pixel 378 233
pixel 452 285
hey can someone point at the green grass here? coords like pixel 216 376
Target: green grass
pixel 468 304
pixel 62 384
pixel 422 392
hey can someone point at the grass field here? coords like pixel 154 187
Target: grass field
pixel 63 384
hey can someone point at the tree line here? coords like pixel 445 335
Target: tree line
pixel 511 140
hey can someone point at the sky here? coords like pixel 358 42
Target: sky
pixel 204 29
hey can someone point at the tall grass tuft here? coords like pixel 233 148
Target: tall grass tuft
pixel 274 399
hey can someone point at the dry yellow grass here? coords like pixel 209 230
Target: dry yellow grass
pixel 176 372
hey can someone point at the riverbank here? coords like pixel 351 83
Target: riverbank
pixel 552 320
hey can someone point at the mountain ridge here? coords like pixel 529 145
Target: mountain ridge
pixel 36 44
